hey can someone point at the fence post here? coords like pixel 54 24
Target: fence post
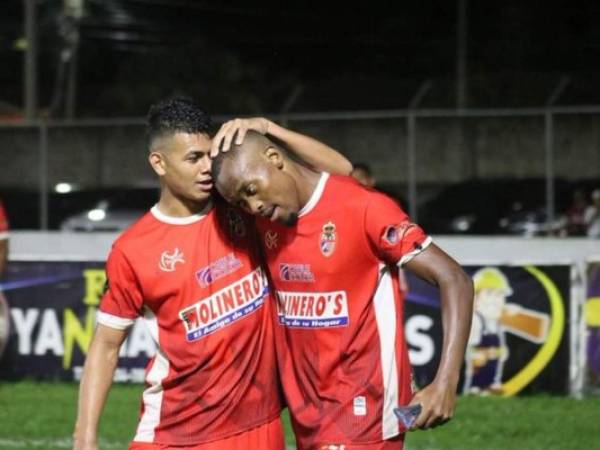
pixel 43 175
pixel 411 144
pixel 549 163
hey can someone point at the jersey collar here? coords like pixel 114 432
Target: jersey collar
pixel 316 195
pixel 158 215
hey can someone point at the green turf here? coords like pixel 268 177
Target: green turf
pixel 40 416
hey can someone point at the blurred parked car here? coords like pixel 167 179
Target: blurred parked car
pixel 503 206
pixel 114 211
pixel 533 223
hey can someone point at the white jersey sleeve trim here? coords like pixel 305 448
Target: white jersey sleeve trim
pixel 406 258
pixel 316 195
pixel 116 322
pixel 3 235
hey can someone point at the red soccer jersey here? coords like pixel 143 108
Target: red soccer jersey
pixel 198 284
pixel 341 348
pixel 3 223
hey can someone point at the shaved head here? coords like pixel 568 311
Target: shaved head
pixel 254 176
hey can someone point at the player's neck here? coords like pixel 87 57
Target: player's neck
pixel 307 181
pixel 173 206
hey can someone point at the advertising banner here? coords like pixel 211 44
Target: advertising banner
pixel 47 320
pixel 592 322
pixel 519 338
pixel 518 342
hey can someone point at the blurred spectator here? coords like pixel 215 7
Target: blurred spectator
pixel 362 173
pixel 592 216
pixel 3 239
pixel 575 214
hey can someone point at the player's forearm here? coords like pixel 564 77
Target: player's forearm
pixel 457 308
pixel 98 372
pixel 3 255
pixel 317 154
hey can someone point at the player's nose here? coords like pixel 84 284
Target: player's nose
pixel 256 206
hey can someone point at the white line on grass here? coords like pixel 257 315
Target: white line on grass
pixel 63 443
pixel 56 443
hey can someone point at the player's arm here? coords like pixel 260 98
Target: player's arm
pixel 313 152
pixel 438 399
pixel 3 255
pixel 98 372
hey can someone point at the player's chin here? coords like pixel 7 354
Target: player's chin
pixel 290 219
pixel 201 196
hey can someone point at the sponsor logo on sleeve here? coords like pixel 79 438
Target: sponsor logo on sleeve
pixel 296 272
pixel 225 307
pixel 168 261
pixel 312 309
pixel 328 239
pixel 393 234
pixel 218 269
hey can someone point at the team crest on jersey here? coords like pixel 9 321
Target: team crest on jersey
pixel 218 269
pixel 271 239
pixel 328 239
pixel 236 223
pixel 168 261
pixel 395 233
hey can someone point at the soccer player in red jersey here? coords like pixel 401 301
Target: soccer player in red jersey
pixel 190 268
pixel 332 247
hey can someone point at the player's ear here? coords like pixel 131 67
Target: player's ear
pixel 274 156
pixel 157 161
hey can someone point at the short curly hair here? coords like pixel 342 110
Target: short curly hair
pixel 176 115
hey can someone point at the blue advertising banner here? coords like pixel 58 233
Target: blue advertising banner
pixel 592 320
pixel 50 319
pixel 518 342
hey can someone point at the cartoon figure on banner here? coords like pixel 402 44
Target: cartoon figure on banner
pixel 492 318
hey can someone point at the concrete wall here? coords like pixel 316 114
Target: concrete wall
pixel 448 150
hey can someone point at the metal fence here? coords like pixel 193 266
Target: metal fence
pixel 410 147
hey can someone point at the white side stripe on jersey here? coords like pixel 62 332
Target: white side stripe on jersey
pixel 153 396
pixel 385 315
pixel 406 258
pixel 116 322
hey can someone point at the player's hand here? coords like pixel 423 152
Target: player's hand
pixel 438 401
pixel 237 128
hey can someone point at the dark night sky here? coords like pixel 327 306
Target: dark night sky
pixel 243 57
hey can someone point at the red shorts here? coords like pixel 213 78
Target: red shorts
pixel 395 443
pixel 268 437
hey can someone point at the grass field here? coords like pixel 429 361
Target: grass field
pixel 40 416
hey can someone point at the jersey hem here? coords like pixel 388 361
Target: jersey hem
pixel 216 438
pixel 340 442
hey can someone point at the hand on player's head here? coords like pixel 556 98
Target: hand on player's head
pixel 234 132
